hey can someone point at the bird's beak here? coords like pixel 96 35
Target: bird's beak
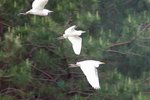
pixel 51 11
pixel 103 63
pixel 73 65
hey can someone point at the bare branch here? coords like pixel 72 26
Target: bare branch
pixel 5 24
pixel 121 43
pixel 122 53
pixel 114 51
pixel 139 31
pixel 49 76
pixel 9 90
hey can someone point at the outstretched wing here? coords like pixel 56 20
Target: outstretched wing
pixel 39 4
pixel 76 44
pixel 91 75
pixel 70 30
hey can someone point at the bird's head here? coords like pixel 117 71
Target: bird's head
pixel 80 32
pixel 46 12
pixel 83 31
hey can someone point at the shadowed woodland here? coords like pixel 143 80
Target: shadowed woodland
pixel 34 63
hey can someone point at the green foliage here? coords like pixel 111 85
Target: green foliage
pixel 6 98
pixel 34 63
pixel 21 73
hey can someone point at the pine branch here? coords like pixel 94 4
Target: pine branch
pixel 140 30
pixel 46 74
pixel 114 51
pixel 122 53
pixel 122 43
pixel 5 24
pixel 48 48
pixel 10 90
pixel 80 93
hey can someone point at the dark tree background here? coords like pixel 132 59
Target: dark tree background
pixel 34 63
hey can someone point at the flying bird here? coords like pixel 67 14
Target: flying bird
pixel 73 35
pixel 89 68
pixel 38 8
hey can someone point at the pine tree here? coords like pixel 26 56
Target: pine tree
pixel 34 63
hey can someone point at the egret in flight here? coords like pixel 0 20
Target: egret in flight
pixel 73 35
pixel 89 68
pixel 38 8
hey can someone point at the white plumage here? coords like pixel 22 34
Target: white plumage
pixel 73 36
pixel 89 69
pixel 76 44
pixel 38 8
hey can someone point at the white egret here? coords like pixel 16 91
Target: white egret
pixel 73 36
pixel 38 8
pixel 89 69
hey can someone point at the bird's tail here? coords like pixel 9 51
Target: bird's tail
pixel 83 31
pixel 22 14
pixel 60 38
pixel 73 65
pixel 50 11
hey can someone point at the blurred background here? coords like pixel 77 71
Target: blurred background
pixel 34 63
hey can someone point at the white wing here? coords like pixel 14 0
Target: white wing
pixel 39 4
pixel 76 44
pixel 91 75
pixel 70 30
